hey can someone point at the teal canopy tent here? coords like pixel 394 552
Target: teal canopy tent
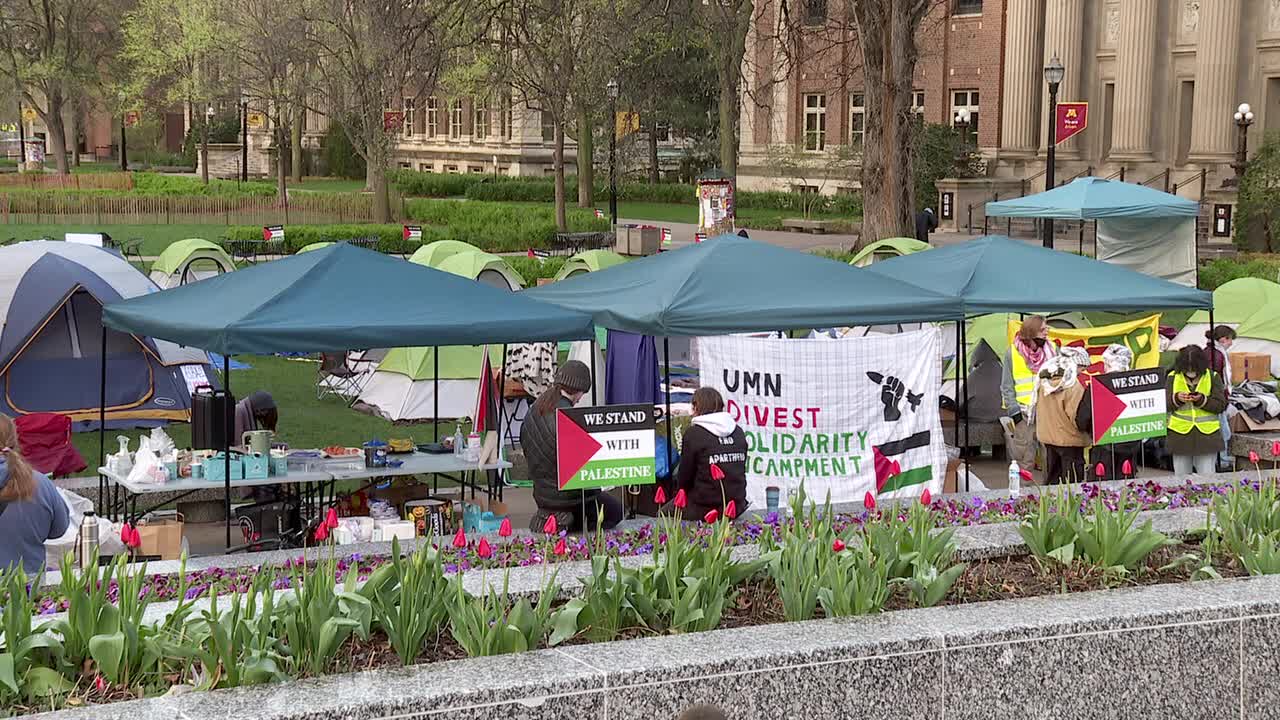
pixel 732 284
pixel 1137 227
pixel 341 297
pixel 995 274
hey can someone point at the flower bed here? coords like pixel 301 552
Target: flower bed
pixel 410 610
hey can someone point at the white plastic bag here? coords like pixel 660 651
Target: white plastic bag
pixel 147 468
pixel 161 443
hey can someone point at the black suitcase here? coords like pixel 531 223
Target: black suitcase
pixel 212 418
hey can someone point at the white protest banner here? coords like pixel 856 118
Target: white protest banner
pixel 845 417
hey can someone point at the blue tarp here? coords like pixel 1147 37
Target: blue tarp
pixel 997 274
pixel 1091 198
pixel 337 298
pixel 732 284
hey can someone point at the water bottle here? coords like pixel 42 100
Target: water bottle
pixel 459 445
pixel 1015 479
pixel 87 547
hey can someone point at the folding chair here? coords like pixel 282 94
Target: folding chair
pixel 336 377
pixel 45 439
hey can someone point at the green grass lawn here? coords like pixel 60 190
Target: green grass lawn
pixel 304 421
pixel 680 213
pixel 324 184
pixel 155 237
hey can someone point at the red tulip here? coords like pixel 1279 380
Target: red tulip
pixel 711 516
pixel 1100 470
pixel 561 547
pixel 549 527
pixel 716 473
pixel 460 539
pixel 322 532
pixel 135 538
pixel 731 510
pixel 124 534
pixel 1275 449
pixel 504 530
pixel 531 253
pixel 681 500
pixel 99 684
pixel 837 546
pixel 1253 457
pixel 331 518
pixel 1127 468
pixel 926 499
pixel 1026 475
pixel 869 501
pixel 483 549
pixel 660 497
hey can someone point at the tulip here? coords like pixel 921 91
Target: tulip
pixel 124 534
pixel 1253 457
pixel 331 518
pixel 731 510
pixel 549 527
pixel 561 547
pixel 504 530
pixel 460 540
pixel 926 499
pixel 660 497
pixel 1100 470
pixel 322 533
pixel 483 549
pixel 135 537
pixel 1275 449
pixel 1127 468
pixel 1026 475
pixel 869 501
pixel 99 683
pixel 711 516
pixel 682 500
pixel 716 473
pixel 837 546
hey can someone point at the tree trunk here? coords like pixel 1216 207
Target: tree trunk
pixel 75 133
pixel 586 161
pixel 57 132
pixel 728 126
pixel 295 145
pixel 562 222
pixel 204 150
pixel 281 189
pixel 370 179
pixel 886 29
pixel 653 152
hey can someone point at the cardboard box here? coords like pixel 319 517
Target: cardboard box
pixel 161 537
pixel 1250 366
pixel 949 482
pixel 1242 423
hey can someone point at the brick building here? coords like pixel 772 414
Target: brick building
pixel 806 92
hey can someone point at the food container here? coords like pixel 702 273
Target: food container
pixel 215 467
pixel 375 454
pixel 279 463
pixel 197 471
pixel 255 466
pixel 432 517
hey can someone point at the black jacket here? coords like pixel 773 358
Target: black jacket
pixel 538 440
pixel 925 224
pixel 699 450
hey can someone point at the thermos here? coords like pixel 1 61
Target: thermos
pixel 87 546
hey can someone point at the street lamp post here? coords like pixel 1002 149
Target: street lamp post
pixel 612 89
pixel 1244 118
pixel 962 124
pixel 1053 73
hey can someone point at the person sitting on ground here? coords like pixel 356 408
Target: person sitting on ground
pixel 538 440
pixel 256 412
pixel 31 509
pixel 1057 398
pixel 1196 398
pixel 713 460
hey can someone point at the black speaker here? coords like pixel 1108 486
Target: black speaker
pixel 212 419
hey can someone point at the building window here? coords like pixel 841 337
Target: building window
pixel 475 169
pixel 433 117
pixel 917 101
pixel 815 12
pixel 857 118
pixel 451 169
pixel 662 132
pixel 408 116
pixel 968 7
pixel 455 119
pixel 480 127
pixel 548 127
pixel 505 117
pixel 966 100
pixel 815 122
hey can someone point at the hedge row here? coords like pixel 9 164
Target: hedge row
pixel 412 183
pixel 534 269
pixel 1220 271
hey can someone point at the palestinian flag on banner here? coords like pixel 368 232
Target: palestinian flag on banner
pixel 890 475
pixel 485 416
pixel 599 212
pixel 666 236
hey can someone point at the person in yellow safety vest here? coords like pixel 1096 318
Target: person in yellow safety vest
pixel 1030 349
pixel 1196 397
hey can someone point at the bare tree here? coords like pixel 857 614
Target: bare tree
pixel 727 24
pixel 369 53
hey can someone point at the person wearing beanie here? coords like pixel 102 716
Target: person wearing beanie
pixel 538 440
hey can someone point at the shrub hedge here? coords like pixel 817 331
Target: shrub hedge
pixel 1216 273
pixel 532 269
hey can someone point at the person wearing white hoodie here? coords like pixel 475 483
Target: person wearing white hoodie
pixel 713 460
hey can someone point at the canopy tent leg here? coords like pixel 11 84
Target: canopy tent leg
pixel 435 392
pixel 964 392
pixel 228 428
pixel 102 419
pixel 502 423
pixel 593 370
pixel 666 368
pixel 955 434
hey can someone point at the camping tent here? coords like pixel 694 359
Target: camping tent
pixel 1252 307
pixel 188 261
pixel 589 261
pixel 314 246
pixel 1137 227
pixel 434 253
pixel 887 248
pixel 403 386
pixel 51 298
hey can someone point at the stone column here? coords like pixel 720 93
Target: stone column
pixel 1023 79
pixel 1212 128
pixel 1135 66
pixel 1063 33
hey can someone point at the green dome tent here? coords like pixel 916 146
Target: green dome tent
pixel 589 261
pixel 403 386
pixel 434 253
pixel 887 248
pixel 188 261
pixel 1252 307
pixel 313 246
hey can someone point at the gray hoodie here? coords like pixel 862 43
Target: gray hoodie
pixel 24 526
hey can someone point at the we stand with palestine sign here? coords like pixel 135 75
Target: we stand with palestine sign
pixel 605 446
pixel 1128 406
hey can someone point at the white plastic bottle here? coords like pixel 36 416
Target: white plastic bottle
pixel 1015 479
pixel 459 444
